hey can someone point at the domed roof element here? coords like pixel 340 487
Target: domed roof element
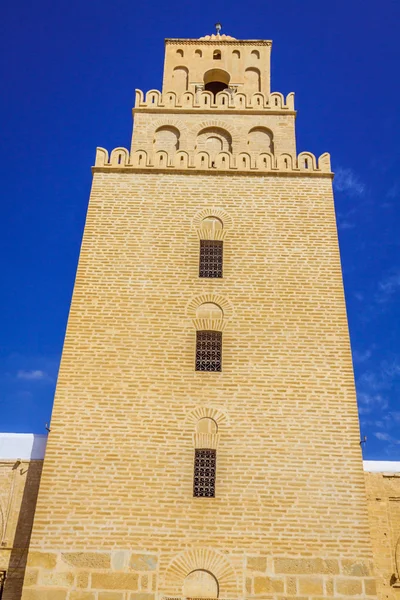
pixel 216 37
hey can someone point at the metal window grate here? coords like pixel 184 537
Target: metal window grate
pixel 211 252
pixel 204 473
pixel 208 351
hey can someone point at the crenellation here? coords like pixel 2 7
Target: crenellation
pixel 203 100
pixel 305 162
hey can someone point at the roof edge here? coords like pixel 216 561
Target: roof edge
pixel 215 41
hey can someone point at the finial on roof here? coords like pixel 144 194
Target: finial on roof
pixel 218 27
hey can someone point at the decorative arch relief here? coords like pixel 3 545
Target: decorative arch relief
pixel 173 581
pixel 212 224
pixel 220 301
pixel 206 424
pixel 207 412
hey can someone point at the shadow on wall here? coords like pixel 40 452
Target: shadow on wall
pixel 19 553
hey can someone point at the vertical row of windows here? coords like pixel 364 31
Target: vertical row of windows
pixel 208 347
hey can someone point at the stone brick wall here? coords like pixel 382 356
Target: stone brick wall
pixel 383 497
pixel 118 473
pixel 19 484
pixel 263 575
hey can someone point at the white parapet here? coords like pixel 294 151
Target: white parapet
pixel 382 466
pixel 23 446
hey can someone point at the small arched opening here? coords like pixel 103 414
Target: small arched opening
pixel 216 80
pixel 200 584
pixel 180 75
pixel 167 138
pixel 252 80
pixel 209 310
pixel 217 55
pixel 206 425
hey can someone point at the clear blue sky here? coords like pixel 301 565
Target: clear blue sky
pixel 68 75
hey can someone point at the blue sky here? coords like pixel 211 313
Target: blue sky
pixel 69 71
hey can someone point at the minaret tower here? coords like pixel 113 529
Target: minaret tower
pixel 204 440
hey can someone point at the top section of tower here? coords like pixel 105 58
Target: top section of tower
pixel 217 62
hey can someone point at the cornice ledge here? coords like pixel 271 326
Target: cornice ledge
pixel 193 171
pixel 192 42
pixel 213 110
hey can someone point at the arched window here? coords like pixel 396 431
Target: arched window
pixel 216 80
pixel 214 140
pixel 167 138
pixel 206 425
pixel 255 54
pixel 209 310
pixel 180 53
pixel 236 54
pixel 252 80
pixel 200 584
pixel 261 140
pixel 211 258
pixel 217 55
pixel 198 53
pixel 180 76
pixel 208 350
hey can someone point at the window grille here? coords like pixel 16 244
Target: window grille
pixel 208 351
pixel 204 473
pixel 211 252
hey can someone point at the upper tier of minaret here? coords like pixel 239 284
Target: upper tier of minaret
pixel 217 62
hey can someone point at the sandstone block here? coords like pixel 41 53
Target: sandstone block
pixel 144 582
pixel 311 586
pixel 291 586
pixel 43 594
pixel 55 578
pixel 141 596
pixel 82 596
pixel 91 560
pixel 119 560
pixel 47 560
pixel 256 563
pixel 348 587
pixel 304 566
pixel 115 581
pixel 31 577
pixel 329 587
pixel 111 596
pixel 370 587
pixel 356 568
pixel 143 562
pixel 82 579
pixel 267 585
